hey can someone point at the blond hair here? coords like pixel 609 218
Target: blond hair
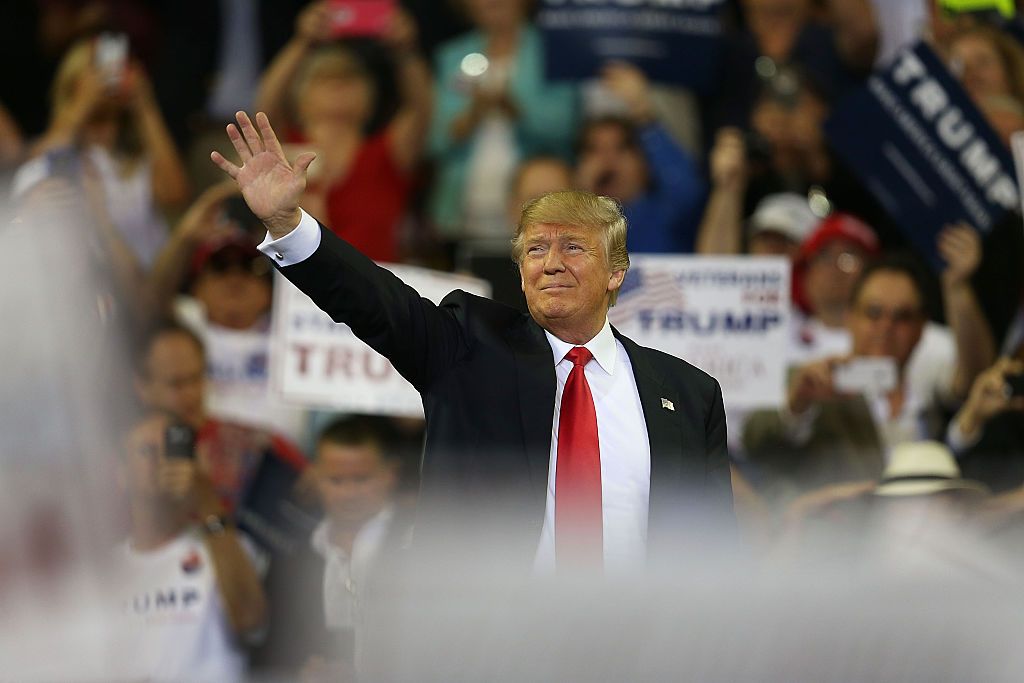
pixel 583 209
pixel 329 61
pixel 1007 49
pixel 76 61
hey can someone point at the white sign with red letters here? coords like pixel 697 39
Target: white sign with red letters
pixel 317 363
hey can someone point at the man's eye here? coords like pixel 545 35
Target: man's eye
pixel 574 247
pixel 535 249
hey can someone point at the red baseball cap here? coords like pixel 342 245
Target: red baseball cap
pixel 839 226
pixel 835 227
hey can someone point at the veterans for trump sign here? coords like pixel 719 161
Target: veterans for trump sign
pixel 923 149
pixel 318 363
pixel 728 316
pixel 673 41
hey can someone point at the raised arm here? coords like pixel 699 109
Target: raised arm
pixel 411 122
pixel 420 339
pixel 721 229
pixel 311 29
pixel 171 187
pixel 960 246
pixel 171 265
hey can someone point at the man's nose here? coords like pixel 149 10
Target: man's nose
pixel 553 261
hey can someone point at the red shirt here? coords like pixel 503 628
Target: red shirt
pixel 365 206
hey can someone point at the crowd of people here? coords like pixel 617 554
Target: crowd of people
pixel 424 156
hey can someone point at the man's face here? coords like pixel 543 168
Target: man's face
pixel 354 481
pixel 609 165
pixel 539 177
pixel 343 98
pixel 773 243
pixel 887 318
pixel 234 288
pixel 832 273
pixel 981 69
pixel 566 277
pixel 174 380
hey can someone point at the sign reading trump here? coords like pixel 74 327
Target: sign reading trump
pixel 318 363
pixel 729 316
pixel 672 41
pixel 925 151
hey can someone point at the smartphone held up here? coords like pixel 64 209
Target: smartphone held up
pixel 355 18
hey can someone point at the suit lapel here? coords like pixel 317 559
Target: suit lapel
pixel 535 380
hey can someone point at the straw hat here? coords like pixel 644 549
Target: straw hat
pixel 921 468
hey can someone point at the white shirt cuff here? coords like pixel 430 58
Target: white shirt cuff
pixel 296 246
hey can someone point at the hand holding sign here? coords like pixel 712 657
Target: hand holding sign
pixel 960 246
pixel 729 158
pixel 271 186
pixel 630 85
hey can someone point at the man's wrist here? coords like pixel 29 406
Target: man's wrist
pixel 215 525
pixel 279 226
pixel 955 284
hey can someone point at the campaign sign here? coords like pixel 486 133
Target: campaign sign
pixel 915 139
pixel 318 363
pixel 677 42
pixel 729 316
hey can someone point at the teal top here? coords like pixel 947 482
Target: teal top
pixel 548 114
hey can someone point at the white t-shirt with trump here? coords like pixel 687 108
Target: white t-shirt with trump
pixel 171 617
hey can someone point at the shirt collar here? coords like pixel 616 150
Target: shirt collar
pixel 602 346
pixel 320 540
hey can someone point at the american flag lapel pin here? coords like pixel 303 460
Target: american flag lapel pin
pixel 667 404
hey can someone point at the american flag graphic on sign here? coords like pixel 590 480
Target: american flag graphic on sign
pixel 643 290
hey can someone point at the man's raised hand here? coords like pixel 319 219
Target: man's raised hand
pixel 271 186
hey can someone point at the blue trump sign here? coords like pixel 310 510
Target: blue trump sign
pixel 922 148
pixel 672 41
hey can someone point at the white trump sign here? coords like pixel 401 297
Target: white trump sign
pixel 729 316
pixel 318 363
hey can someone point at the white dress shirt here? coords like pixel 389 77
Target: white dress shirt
pixel 344 574
pixel 625 453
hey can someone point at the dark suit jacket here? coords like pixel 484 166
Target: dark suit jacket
pixel 487 379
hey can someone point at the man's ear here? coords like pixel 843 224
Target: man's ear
pixel 615 280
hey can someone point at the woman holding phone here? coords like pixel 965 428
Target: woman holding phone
pixel 324 96
pixel 107 130
pixel 494 108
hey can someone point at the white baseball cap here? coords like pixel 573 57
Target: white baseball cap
pixel 786 213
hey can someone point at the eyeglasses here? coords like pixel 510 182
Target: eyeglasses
pixel 899 316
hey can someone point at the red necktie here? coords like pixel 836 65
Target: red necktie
pixel 578 526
